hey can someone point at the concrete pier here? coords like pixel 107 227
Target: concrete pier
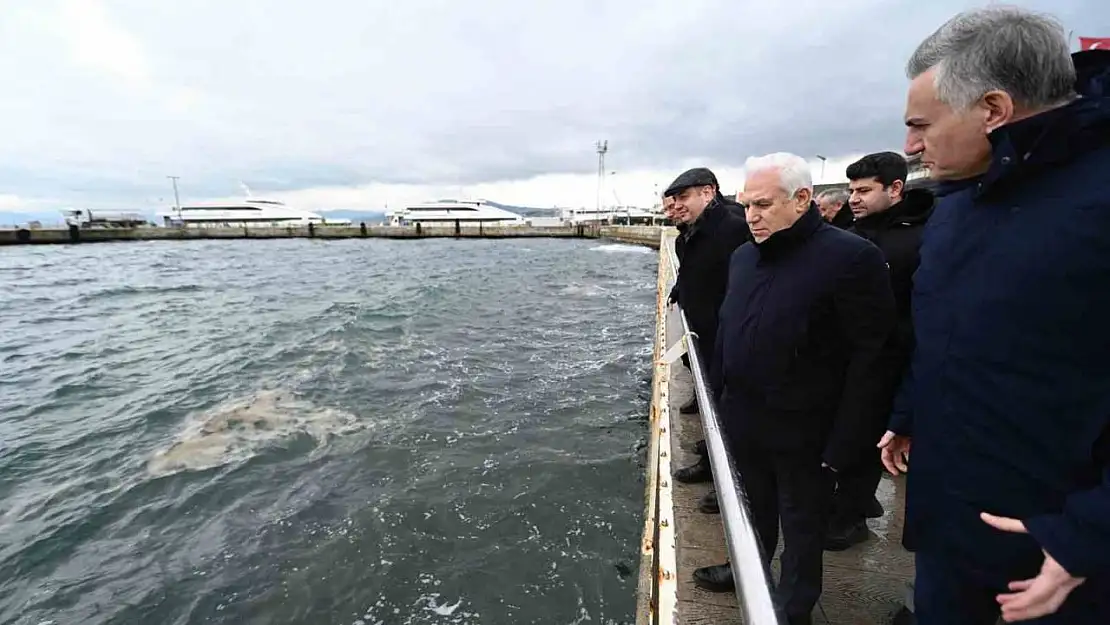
pixel 640 235
pixel 635 235
pixel 100 235
pixel 865 585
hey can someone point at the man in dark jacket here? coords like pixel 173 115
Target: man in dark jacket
pixel 1008 395
pixel 891 217
pixel 707 237
pixel 797 369
pixel 833 206
pixel 711 233
pixel 672 217
pixel 700 175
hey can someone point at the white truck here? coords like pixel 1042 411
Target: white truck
pixel 85 218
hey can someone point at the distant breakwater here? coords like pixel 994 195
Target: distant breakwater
pixel 641 235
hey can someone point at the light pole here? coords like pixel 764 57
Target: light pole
pixel 176 198
pixel 655 198
pixel 613 207
pixel 823 159
pixel 602 148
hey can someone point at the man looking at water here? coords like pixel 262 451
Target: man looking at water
pixel 728 202
pixel 712 231
pixel 797 370
pixel 672 215
pixel 1008 394
pixel 669 214
pixel 891 217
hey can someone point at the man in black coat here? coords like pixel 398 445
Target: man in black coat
pixel 700 176
pixel 797 369
pixel 710 232
pixel 893 218
pixel 711 228
pixel 833 206
pixel 672 218
pixel 1007 398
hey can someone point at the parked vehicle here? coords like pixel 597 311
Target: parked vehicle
pixel 85 218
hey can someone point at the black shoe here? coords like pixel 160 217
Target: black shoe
pixel 716 578
pixel 696 473
pixel 700 448
pixel 843 536
pixel 904 617
pixel 708 504
pixel 874 509
pixel 805 619
pixel 691 407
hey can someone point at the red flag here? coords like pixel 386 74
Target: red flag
pixel 1094 43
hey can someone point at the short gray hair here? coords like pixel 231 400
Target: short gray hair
pixel 793 170
pixel 1023 53
pixel 836 196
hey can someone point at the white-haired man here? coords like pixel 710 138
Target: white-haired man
pixel 806 314
pixel 833 206
pixel 1007 398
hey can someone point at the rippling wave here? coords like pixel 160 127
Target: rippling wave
pixel 350 432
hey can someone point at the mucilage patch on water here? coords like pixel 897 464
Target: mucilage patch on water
pixel 237 430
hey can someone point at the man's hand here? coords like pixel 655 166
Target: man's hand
pixel 1033 598
pixel 895 452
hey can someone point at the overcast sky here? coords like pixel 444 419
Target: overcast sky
pixel 360 103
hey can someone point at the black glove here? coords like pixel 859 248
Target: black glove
pixel 673 297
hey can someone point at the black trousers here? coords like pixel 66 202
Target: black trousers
pixel 795 489
pixel 705 351
pixel 855 488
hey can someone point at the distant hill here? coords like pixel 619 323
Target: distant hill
pixel 527 211
pixel 356 216
pixel 46 218
pixel 373 216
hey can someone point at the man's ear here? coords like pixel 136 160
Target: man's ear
pixel 997 108
pixel 804 197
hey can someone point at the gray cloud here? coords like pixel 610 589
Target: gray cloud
pixel 104 98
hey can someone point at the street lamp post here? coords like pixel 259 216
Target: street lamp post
pixel 823 159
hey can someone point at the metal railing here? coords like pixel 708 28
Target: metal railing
pixel 657 588
pixel 753 582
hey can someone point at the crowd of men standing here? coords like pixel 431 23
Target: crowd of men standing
pixel 970 319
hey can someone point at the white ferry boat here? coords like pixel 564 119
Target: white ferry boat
pixel 447 212
pixel 249 212
pixel 612 214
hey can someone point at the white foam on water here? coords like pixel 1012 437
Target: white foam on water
pixel 237 430
pixel 443 609
pixel 583 290
pixel 420 611
pixel 617 248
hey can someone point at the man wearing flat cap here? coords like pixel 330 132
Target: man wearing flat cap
pixel 710 235
pixel 712 231
pixel 704 176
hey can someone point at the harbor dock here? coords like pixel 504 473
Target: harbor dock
pixel 640 235
pixel 865 585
